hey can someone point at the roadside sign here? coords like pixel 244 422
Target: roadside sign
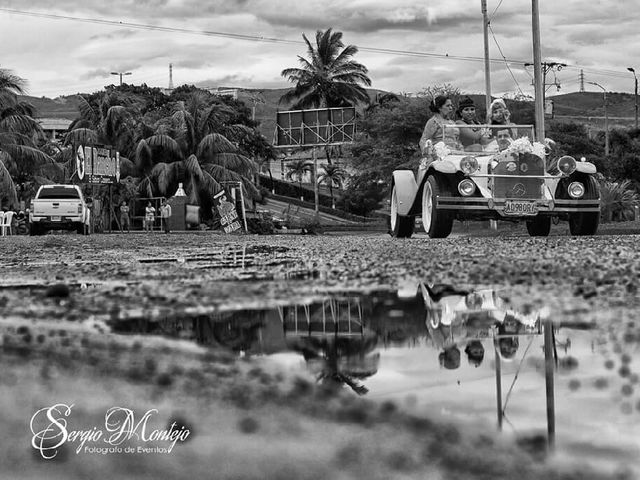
pixel 98 164
pixel 227 211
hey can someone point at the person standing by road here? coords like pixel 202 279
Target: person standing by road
pixel 149 217
pixel 165 214
pixel 124 217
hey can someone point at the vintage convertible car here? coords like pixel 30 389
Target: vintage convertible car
pixel 506 176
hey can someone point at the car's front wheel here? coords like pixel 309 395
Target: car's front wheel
pixel 586 223
pixel 400 226
pixel 539 226
pixel 437 223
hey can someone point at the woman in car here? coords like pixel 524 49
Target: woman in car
pixel 435 131
pixel 472 137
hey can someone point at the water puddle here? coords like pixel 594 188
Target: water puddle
pixel 462 354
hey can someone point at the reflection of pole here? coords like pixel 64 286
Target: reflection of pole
pixel 498 386
pixel 549 366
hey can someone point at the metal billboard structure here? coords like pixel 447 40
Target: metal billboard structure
pixel 319 127
pixel 315 127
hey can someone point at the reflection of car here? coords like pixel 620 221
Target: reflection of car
pixel 478 311
pixel 497 179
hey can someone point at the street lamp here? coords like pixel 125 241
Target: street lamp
pixel 121 74
pixel 606 119
pixel 636 92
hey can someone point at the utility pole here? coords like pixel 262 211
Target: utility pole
pixel 120 74
pixel 606 119
pixel 546 68
pixel 538 79
pixel 581 81
pixel 487 68
pixel 636 93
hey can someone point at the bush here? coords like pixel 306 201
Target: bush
pixel 618 200
pixel 262 225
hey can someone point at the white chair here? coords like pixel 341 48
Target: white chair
pixel 7 220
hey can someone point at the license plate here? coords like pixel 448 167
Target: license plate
pixel 55 219
pixel 513 207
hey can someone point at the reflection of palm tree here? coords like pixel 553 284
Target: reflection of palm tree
pixel 342 360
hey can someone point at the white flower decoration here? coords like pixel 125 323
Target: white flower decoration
pixel 441 150
pixel 524 145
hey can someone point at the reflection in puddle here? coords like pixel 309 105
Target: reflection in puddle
pixel 254 262
pixel 459 353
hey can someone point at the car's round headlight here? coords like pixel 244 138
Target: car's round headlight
pixel 567 164
pixel 576 190
pixel 466 187
pixel 469 165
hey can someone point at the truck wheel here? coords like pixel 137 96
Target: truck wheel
pixel 586 223
pixel 539 227
pixel 400 226
pixel 437 223
pixel 34 229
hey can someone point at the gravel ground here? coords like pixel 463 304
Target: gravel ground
pixel 60 293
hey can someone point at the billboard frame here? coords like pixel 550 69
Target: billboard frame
pixel 317 127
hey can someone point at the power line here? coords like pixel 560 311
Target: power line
pixel 260 38
pixel 505 60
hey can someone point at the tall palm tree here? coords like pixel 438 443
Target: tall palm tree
pixel 332 175
pixel 329 77
pixel 298 169
pixel 19 131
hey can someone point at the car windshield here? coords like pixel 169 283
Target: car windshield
pixel 463 137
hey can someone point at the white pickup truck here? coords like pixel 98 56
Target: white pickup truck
pixel 58 207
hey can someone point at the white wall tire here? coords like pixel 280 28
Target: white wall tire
pixel 400 226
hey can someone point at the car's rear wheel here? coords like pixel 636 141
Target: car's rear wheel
pixel 400 226
pixel 539 226
pixel 437 223
pixel 586 223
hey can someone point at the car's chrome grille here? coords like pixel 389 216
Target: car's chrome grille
pixel 520 183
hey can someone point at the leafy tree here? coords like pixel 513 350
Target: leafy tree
pixel 187 147
pixel 333 175
pixel 298 169
pixel 329 77
pixel 20 158
pixel 364 193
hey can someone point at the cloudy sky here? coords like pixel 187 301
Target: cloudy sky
pixel 67 46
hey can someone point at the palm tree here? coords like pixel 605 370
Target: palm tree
pixel 329 78
pixel 332 175
pixel 20 158
pixel 298 169
pixel 188 147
